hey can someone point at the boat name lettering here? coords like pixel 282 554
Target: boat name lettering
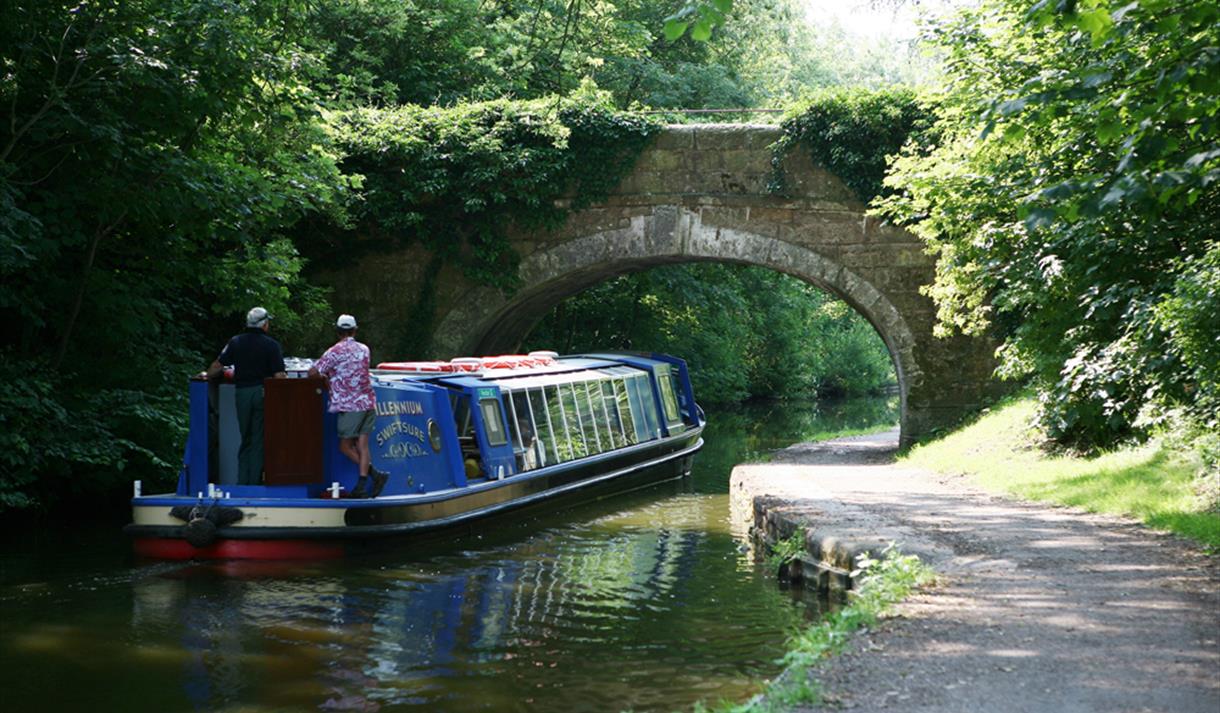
pixel 397 427
pixel 406 449
pixel 399 408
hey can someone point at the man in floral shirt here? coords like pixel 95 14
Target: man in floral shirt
pixel 346 365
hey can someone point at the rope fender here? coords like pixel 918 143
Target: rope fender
pixel 202 522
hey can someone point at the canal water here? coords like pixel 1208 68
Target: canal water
pixel 644 602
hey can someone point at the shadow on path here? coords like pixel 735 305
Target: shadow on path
pixel 1040 608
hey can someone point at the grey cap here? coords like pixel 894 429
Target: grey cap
pixel 346 321
pixel 257 317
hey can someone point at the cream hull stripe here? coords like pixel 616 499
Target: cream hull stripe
pixel 253 517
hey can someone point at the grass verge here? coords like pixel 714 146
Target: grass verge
pixel 1149 482
pixel 881 583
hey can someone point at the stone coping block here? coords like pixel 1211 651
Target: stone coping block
pixel 772 501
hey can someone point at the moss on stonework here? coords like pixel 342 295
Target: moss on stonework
pixel 852 133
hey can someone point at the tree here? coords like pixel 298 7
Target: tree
pixel 151 155
pixel 384 53
pixel 1074 193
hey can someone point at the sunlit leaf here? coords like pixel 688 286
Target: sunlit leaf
pixel 1096 22
pixel 675 29
pixel 702 30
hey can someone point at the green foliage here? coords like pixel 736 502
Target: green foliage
pixel 1190 315
pixel 454 179
pixel 384 53
pixel 744 331
pixel 47 434
pixel 880 584
pixel 699 17
pixel 784 552
pixel 152 153
pixel 1072 200
pixel 388 52
pixel 852 133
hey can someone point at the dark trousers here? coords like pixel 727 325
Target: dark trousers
pixel 249 402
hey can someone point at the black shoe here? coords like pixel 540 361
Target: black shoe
pixel 379 479
pixel 361 489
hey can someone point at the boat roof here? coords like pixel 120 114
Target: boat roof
pixel 518 376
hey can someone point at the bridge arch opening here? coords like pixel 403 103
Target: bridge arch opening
pixel 488 322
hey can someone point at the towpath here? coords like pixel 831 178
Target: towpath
pixel 1040 608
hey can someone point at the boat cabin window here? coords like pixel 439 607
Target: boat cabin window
pixel 614 419
pixel 571 414
pixel 669 400
pixel 643 408
pixel 556 418
pixel 493 421
pixel 522 431
pixel 547 449
pixel 637 409
pixel 460 403
pixel 601 419
pixel 584 406
pixel 624 411
pixel 559 424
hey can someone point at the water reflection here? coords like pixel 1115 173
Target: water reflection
pixel 608 616
pixel 642 602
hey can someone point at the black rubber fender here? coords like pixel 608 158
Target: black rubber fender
pixel 200 532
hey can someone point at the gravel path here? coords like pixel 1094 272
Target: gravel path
pixel 1040 608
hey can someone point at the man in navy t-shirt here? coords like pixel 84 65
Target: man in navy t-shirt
pixel 254 356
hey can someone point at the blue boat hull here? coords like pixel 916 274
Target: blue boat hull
pixel 353 522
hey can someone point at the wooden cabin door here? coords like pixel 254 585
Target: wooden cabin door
pixel 292 431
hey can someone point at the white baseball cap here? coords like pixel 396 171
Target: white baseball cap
pixel 346 321
pixel 257 317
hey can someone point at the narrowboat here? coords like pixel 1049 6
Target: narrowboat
pixel 462 440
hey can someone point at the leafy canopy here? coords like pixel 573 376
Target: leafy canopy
pixel 853 133
pixel 152 155
pixel 1072 202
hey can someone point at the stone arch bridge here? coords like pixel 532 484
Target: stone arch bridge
pixel 697 193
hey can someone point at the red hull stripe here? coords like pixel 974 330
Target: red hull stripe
pixel 172 549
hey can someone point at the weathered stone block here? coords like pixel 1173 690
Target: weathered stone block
pixel 880 231
pixel 815 183
pixel 761 136
pixel 705 161
pixel 675 137
pixel 720 137
pixel 725 217
pixel 910 256
pixel 663 160
pixel 765 215
pixel 744 162
pixel 653 183
pixel 822 227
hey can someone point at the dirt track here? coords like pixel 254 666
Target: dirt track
pixel 1040 608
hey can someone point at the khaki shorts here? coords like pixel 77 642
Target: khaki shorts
pixel 355 423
